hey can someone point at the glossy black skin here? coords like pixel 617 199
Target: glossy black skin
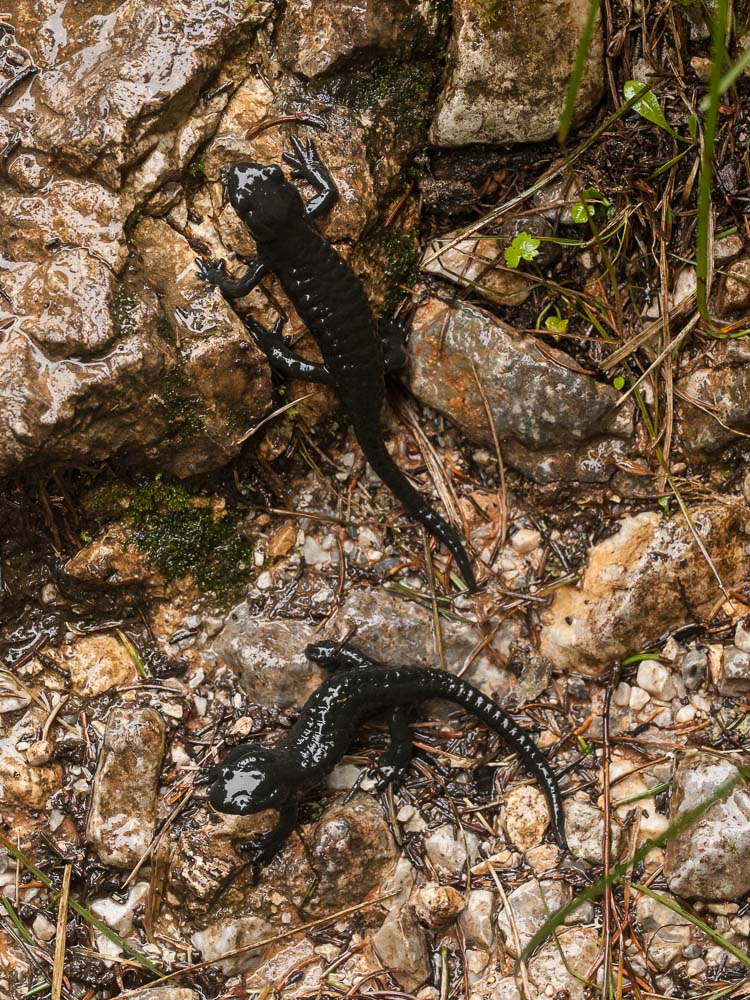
pixel 330 299
pixel 251 778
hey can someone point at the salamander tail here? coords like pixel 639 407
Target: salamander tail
pixel 439 683
pixel 377 455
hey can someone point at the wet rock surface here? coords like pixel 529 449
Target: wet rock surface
pixel 645 567
pixel 553 422
pixel 122 818
pixel 140 643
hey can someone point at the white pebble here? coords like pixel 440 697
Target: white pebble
pixel 525 540
pixel 638 698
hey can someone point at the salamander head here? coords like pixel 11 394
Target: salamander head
pixel 251 779
pixel 263 198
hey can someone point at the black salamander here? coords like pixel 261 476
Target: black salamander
pixel 252 778
pixel 330 299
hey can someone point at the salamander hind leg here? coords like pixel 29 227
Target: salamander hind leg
pixel 281 357
pixel 391 766
pixel 393 336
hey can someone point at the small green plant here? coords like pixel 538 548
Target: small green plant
pixel 593 205
pixel 524 246
pixel 185 534
pixel 647 106
pixel 618 382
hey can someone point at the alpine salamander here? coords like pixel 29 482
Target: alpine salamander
pixel 251 778
pixel 330 299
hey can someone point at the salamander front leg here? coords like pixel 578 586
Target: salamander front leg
pixel 282 358
pixel 306 163
pixel 214 272
pixel 392 765
pixel 393 336
pixel 262 847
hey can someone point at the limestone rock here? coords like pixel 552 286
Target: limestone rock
pixel 531 905
pixel 708 858
pixel 122 815
pixel 508 71
pixel 553 422
pixel 96 663
pixel 322 36
pixel 566 962
pixel 647 578
pixel 712 410
pixel 401 946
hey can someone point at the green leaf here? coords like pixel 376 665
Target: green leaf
pixel 618 382
pixel 693 126
pixel 593 205
pixel 523 247
pixel 556 324
pixel 664 504
pixel 647 106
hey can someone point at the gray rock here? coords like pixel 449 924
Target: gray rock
pixel 566 962
pixel 733 297
pixel 709 858
pixel 693 668
pixel 734 673
pixel 122 814
pixel 270 658
pixel 123 80
pixel 553 422
pixel 641 582
pixel 655 678
pixel 447 848
pixel 477 919
pixel 229 934
pixel 473 261
pixel 531 905
pixel 666 934
pixel 584 828
pixel 712 410
pixel 401 945
pixel 437 906
pixel 508 73
pixel 322 36
pixel 166 993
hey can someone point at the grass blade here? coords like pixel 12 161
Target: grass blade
pixel 598 887
pixel 697 922
pixel 574 84
pixel 80 910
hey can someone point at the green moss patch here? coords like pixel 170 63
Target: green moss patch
pixel 190 534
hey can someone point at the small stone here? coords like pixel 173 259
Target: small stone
pixel 40 752
pixel 655 678
pixel 734 674
pixel 437 905
pixel 525 817
pixel 401 945
pixel 477 919
pixel 693 668
pixel 701 66
pixel 708 859
pixel 525 540
pixel 229 934
pixel 543 857
pixel 584 826
pixel 445 848
pixel 566 963
pixel 122 815
pixel 621 696
pixel 733 296
pixel 119 916
pixel 639 698
pixel 96 663
pixel 43 928
pixel 684 714
pixel 666 933
pixel 531 905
